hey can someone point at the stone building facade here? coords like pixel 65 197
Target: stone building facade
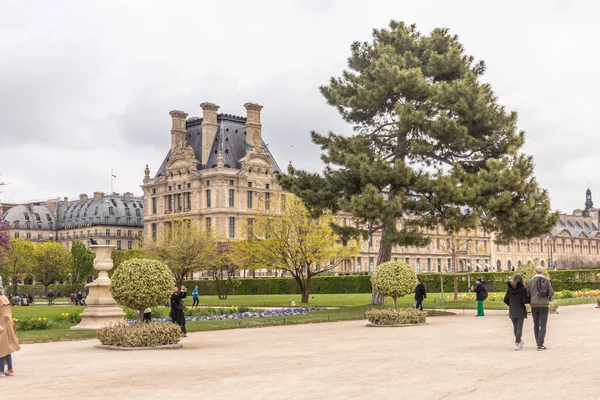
pixel 216 173
pixel 573 243
pixel 109 219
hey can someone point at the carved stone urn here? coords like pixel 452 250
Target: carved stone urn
pixel 102 309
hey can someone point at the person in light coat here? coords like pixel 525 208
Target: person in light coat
pixel 9 343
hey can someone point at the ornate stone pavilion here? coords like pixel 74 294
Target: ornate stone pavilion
pixel 216 173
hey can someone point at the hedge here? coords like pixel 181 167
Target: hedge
pixel 494 282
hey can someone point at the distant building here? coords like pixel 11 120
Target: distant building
pixel 110 219
pixel 573 243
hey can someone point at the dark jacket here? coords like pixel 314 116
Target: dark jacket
pixel 480 291
pixel 177 315
pixel 420 293
pixel 515 299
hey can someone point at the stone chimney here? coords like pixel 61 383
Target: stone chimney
pixel 209 128
pixel 178 129
pixel 98 195
pixel 65 199
pixel 127 196
pixel 253 125
pixel 83 198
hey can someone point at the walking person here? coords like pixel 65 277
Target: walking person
pixel 177 307
pixel 195 297
pixel 420 295
pixel 516 298
pixel 9 343
pixel 50 296
pixel 539 290
pixel 480 294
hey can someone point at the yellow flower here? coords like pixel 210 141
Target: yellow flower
pixel 45 319
pixel 39 318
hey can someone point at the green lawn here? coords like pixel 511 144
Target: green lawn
pixel 353 307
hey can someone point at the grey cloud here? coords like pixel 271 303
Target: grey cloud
pixel 87 86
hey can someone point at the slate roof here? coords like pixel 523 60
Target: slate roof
pixel 107 210
pixel 230 140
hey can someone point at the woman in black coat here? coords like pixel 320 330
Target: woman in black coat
pixel 515 299
pixel 177 308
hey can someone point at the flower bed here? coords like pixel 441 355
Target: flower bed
pixel 568 294
pixel 283 312
pixel 472 296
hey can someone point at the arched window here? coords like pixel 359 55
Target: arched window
pixel 542 263
pixel 498 265
pixel 508 264
pixel 519 263
pixel 461 266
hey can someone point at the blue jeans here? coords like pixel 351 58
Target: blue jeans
pixel 8 360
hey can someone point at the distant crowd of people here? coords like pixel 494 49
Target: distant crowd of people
pixel 77 299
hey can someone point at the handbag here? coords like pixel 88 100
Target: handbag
pixel 181 305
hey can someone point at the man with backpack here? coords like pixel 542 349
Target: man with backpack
pixel 539 290
pixel 481 294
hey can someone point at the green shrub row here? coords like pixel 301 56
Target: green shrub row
pixel 494 281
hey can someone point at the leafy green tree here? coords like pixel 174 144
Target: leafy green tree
pixel 83 262
pixel 53 263
pixel 18 261
pixel 288 238
pixel 432 147
pixel 394 279
pixel 140 283
pixel 118 256
pixel 185 248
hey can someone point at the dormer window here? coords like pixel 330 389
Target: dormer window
pixel 111 211
pixel 26 216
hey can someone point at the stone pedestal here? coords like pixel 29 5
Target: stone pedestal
pixel 102 309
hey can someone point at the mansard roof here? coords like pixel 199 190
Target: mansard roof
pixel 230 140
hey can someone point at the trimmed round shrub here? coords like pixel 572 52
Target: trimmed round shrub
pixel 151 334
pixel 527 271
pixel 392 316
pixel 140 283
pixel 598 302
pixel 394 279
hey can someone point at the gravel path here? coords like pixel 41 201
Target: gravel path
pixel 458 357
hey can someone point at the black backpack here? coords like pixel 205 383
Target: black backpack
pixel 543 287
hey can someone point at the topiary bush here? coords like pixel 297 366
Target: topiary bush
pixel 140 335
pixel 598 302
pixel 141 283
pixel 392 316
pixel 394 279
pixel 527 271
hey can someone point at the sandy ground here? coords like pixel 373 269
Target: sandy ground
pixel 459 357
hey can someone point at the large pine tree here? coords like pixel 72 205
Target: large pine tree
pixel 431 147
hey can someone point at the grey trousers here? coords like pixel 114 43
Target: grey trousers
pixel 540 319
pixel 518 328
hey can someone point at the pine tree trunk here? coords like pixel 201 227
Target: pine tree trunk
pixel 385 255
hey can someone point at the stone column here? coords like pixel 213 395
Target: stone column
pixel 102 309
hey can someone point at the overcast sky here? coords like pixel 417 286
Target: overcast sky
pixel 86 86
